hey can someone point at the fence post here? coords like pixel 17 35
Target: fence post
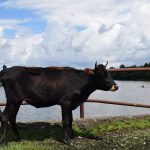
pixel 82 110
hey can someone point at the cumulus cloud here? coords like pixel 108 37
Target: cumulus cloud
pixel 117 31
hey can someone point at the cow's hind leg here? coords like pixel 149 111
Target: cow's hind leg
pixel 4 123
pixel 11 111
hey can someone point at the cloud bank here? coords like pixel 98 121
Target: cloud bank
pixel 77 33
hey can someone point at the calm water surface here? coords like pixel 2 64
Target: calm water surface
pixel 129 91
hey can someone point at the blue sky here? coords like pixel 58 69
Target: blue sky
pixel 34 22
pixel 74 33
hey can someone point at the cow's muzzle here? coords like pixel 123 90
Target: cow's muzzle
pixel 114 87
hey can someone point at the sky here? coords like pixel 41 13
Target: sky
pixel 74 33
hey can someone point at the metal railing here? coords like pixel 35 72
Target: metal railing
pixel 113 103
pixel 109 101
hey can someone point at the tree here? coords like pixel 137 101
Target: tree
pixel 146 65
pixel 122 66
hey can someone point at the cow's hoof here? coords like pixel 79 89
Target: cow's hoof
pixel 67 141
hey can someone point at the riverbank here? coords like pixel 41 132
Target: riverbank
pixel 92 134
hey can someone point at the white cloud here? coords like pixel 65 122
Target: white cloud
pixel 1 32
pixel 117 31
pixel 17 50
pixel 12 23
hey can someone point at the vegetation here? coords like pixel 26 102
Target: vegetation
pixel 136 75
pixel 118 133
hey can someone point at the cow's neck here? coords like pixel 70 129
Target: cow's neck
pixel 89 87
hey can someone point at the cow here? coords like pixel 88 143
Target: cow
pixel 43 87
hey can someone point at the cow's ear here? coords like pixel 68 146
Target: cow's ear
pixel 106 64
pixel 95 69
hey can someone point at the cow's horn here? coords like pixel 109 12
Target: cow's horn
pixel 96 64
pixel 106 63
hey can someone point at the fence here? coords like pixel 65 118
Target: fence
pixel 109 101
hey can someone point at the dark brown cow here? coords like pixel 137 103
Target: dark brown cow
pixel 43 87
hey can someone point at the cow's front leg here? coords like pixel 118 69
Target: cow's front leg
pixel 67 123
pixel 71 133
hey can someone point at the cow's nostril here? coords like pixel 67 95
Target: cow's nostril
pixel 116 86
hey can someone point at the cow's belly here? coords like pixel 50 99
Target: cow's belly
pixel 40 98
pixel 40 103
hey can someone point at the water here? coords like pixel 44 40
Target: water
pixel 129 91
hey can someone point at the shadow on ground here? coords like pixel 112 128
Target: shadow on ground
pixel 40 131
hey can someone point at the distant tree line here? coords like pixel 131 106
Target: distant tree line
pixel 133 76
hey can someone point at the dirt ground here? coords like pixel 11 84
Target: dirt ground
pixel 48 135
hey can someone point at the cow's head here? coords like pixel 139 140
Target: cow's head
pixel 103 78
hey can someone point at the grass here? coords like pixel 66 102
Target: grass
pixel 118 133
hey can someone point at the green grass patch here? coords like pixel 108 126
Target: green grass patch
pixel 124 124
pixel 117 133
pixel 113 125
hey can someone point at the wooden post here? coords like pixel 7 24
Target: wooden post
pixel 82 111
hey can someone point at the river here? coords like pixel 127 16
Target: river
pixel 129 91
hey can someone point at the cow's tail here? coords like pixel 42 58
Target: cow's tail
pixel 2 72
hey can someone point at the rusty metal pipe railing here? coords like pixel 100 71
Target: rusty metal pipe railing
pixel 119 103
pixel 113 103
pixel 82 111
pixel 4 104
pixel 101 101
pixel 104 102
